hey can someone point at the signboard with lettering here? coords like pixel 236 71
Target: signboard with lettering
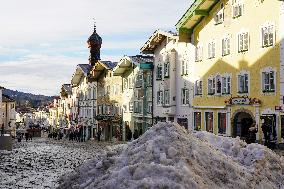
pixel 242 101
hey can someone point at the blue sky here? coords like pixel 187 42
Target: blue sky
pixel 41 42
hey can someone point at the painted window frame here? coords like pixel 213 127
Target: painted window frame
pixel 159 72
pixel 198 53
pixel 271 85
pixel 226 46
pixel 139 80
pixel 243 41
pixel 197 128
pixel 270 33
pixel 237 8
pixel 159 98
pixel 243 74
pixel 198 87
pixel 205 121
pixel 211 49
pixel 226 84
pixel 184 68
pixel 167 97
pixel 219 16
pixel 218 117
pixel 184 96
pixel 167 67
pixel 211 85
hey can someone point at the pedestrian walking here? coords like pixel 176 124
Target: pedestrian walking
pixel 265 130
pixel 27 136
pixel 2 129
pixel 252 133
pixel 136 134
pixel 99 134
pixel 19 137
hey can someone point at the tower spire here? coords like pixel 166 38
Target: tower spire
pixel 95 27
pixel 94 43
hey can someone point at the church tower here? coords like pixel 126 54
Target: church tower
pixel 94 43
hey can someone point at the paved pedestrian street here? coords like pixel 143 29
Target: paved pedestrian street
pixel 39 163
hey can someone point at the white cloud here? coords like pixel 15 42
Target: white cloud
pixel 38 73
pixel 44 37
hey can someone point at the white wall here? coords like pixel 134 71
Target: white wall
pixel 184 52
pixel 281 36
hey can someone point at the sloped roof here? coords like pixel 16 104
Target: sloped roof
pixel 67 88
pixel 6 98
pixel 155 40
pixel 128 62
pixel 2 87
pixel 193 16
pixel 138 59
pixel 86 68
pixel 109 64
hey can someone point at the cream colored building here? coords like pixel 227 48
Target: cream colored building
pixel 136 73
pixel 84 100
pixel 109 100
pixel 173 73
pixel 238 65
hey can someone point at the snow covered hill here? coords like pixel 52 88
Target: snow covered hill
pixel 168 156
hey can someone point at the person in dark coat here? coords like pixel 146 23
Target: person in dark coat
pixel 2 129
pixel 27 136
pixel 265 130
pixel 252 133
pixel 136 134
pixel 99 133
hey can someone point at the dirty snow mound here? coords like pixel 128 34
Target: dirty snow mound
pixel 167 156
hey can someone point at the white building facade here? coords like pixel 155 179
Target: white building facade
pixel 85 99
pixel 172 87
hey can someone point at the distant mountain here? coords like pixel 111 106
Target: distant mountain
pixel 28 99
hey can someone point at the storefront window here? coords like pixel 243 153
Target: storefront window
pixel 222 123
pixel 182 122
pixel 171 119
pixel 197 121
pixel 209 121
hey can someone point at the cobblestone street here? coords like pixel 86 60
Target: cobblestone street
pixel 39 163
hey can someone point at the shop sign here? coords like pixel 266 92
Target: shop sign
pixel 278 108
pixel 242 101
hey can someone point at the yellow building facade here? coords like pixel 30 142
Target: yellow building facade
pixel 239 47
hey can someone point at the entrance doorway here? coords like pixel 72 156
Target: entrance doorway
pixel 242 122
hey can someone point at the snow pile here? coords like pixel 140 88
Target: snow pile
pixel 167 156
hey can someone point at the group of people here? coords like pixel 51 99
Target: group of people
pixel 28 136
pixel 269 134
pixel 55 135
pixel 75 136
